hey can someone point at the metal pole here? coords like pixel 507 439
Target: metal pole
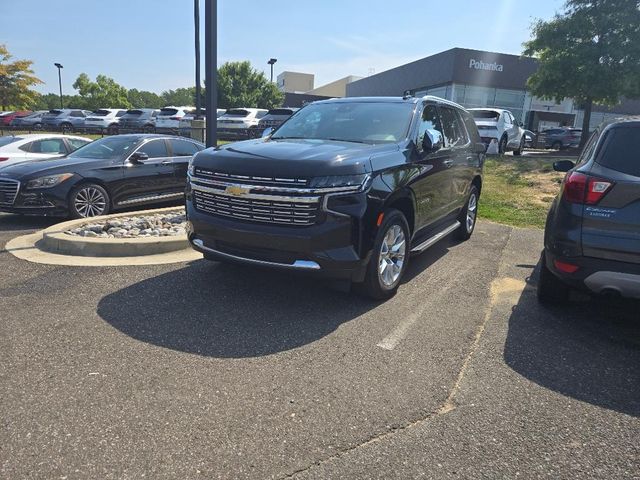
pixel 59 67
pixel 272 73
pixel 196 21
pixel 211 68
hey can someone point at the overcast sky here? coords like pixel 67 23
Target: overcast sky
pixel 148 44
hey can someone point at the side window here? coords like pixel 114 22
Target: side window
pixel 155 149
pixel 49 145
pixel 430 121
pixel 621 151
pixel 589 147
pixel 183 148
pixel 472 128
pixel 454 133
pixel 76 143
pixel 121 113
pixel 76 113
pixel 26 147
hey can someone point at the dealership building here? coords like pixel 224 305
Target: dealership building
pixel 475 78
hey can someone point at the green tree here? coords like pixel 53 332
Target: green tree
pixel 103 93
pixel 241 85
pixel 52 100
pixel 16 78
pixel 180 97
pixel 590 52
pixel 144 99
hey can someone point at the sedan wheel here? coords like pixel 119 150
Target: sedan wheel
pixel 89 201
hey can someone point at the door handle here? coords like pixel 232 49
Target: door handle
pixel 166 162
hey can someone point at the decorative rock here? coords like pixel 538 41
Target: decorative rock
pixel 136 226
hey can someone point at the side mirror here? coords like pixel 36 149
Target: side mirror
pixel 267 132
pixel 138 157
pixel 432 141
pixel 563 165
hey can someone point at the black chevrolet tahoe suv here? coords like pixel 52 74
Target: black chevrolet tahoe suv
pixel 346 188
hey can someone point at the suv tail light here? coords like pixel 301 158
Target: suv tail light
pixel 175 118
pixel 581 188
pixel 2 159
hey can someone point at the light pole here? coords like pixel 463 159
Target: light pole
pixel 60 67
pixel 196 21
pixel 271 62
pixel 211 69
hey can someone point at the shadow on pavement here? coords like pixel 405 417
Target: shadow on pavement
pixel 588 350
pixel 17 223
pixel 231 311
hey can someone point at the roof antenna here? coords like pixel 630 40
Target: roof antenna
pixel 406 95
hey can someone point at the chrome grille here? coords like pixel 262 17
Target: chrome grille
pixel 8 191
pixel 272 181
pixel 301 211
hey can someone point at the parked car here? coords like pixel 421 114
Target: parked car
pixel 185 122
pixel 273 119
pixel 5 120
pixel 33 121
pixel 236 122
pixel 500 125
pixel 108 174
pixel 104 119
pixel 562 137
pixel 66 119
pixel 592 234
pixel 42 146
pixel 347 188
pixel 139 120
pixel 168 118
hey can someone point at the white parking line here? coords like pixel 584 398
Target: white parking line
pixel 399 333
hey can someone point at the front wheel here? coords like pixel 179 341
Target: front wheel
pixel 88 200
pixel 389 258
pixel 66 128
pixel 520 147
pixel 468 216
pixel 502 146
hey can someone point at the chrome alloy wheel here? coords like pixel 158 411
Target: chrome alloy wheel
pixel 90 202
pixel 472 210
pixel 392 253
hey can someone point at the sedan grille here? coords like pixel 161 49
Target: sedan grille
pixel 8 191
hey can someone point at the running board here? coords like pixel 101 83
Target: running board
pixel 436 238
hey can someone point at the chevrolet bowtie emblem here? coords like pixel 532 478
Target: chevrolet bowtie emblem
pixel 236 191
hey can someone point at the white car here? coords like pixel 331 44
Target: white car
pixel 168 118
pixel 237 121
pixel 104 119
pixel 22 148
pixel 499 125
pixel 185 122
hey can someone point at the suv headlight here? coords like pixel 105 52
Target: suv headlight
pixel 348 182
pixel 48 181
pixel 191 169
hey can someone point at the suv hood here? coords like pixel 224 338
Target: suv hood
pixel 291 158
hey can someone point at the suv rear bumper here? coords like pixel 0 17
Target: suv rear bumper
pixel 325 249
pixel 599 276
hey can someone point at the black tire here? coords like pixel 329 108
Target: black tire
pixel 468 216
pixel 551 290
pixel 37 126
pixel 518 152
pixel 374 286
pixel 502 146
pixel 556 145
pixel 148 129
pixel 113 129
pixel 88 200
pixel 66 127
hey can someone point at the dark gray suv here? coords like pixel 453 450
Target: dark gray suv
pixel 592 236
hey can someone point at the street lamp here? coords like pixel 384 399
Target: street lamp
pixel 211 68
pixel 60 67
pixel 271 62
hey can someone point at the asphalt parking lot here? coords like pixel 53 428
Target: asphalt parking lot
pixel 206 370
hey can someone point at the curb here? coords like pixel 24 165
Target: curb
pixel 54 240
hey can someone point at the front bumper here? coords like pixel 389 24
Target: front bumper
pixel 327 249
pixel 45 202
pixel 598 276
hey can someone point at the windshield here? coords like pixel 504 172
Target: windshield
pixel 107 148
pixel 280 111
pixel 485 114
pixel 7 140
pixel 361 122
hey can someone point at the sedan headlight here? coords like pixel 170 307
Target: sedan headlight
pixel 48 181
pixel 348 182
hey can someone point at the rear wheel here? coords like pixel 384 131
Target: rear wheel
pixel 37 126
pixel 468 216
pixel 520 147
pixel 557 145
pixel 551 290
pixel 88 200
pixel 66 127
pixel 113 129
pixel 389 258
pixel 502 146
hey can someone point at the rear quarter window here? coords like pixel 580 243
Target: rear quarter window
pixel 622 150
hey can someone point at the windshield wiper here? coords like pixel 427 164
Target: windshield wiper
pixel 346 140
pixel 288 138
